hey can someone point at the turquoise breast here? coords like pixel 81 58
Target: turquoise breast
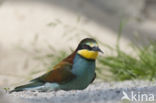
pixel 84 70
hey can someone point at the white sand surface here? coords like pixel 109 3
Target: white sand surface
pixel 111 92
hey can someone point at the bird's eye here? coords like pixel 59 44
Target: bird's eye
pixel 87 47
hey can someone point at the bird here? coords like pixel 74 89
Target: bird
pixel 75 72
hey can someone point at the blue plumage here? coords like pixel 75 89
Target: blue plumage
pixel 84 70
pixel 75 72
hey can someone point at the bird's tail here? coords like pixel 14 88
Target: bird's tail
pixel 27 86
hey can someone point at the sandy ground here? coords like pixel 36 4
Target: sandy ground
pixel 111 92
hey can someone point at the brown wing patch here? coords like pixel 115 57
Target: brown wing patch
pixel 61 65
pixel 59 76
pixel 60 73
pixel 70 58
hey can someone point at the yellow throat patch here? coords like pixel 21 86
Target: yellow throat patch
pixel 88 54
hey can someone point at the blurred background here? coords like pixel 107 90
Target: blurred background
pixel 36 34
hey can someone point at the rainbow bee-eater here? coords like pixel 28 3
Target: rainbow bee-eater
pixel 75 72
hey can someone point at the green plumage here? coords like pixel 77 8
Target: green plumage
pixel 30 85
pixel 72 73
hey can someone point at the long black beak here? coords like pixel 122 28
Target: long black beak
pixel 97 49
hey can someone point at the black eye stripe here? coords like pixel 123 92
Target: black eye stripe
pixel 87 47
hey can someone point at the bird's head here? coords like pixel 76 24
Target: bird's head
pixel 88 48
